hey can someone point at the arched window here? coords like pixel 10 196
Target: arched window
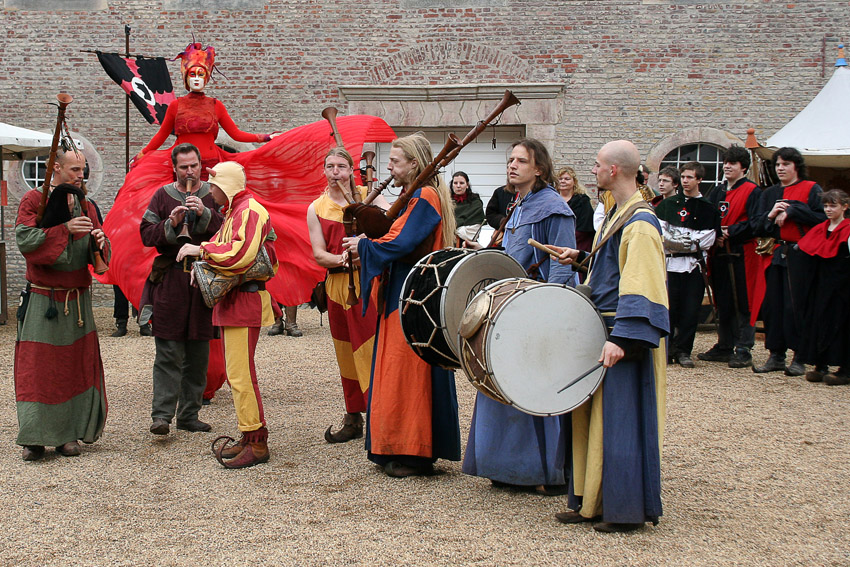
pixel 709 155
pixel 32 171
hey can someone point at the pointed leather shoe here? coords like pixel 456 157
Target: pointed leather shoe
pixel 352 428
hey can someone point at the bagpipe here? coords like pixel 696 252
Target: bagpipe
pixel 53 209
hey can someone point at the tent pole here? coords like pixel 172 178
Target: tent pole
pixel 127 107
pixel 2 207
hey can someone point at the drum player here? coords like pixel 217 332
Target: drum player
pixel 617 434
pixel 511 448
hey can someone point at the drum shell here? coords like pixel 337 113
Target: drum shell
pixel 444 281
pixel 564 342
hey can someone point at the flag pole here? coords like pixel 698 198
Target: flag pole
pixel 127 107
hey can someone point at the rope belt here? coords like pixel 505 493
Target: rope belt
pixel 67 291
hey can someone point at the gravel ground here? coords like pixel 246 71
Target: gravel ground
pixel 754 473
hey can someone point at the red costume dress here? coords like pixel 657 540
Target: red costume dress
pixel 195 119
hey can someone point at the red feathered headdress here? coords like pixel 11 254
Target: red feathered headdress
pixel 195 55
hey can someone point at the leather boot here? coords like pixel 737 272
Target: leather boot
pixel 290 326
pixel 254 452
pixel 276 328
pixel 145 330
pixel 120 328
pixel 352 428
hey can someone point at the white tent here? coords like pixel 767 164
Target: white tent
pixel 821 131
pixel 16 144
pixel 20 143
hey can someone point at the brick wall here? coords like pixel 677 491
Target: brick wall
pixel 641 70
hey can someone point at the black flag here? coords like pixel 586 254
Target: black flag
pixel 145 79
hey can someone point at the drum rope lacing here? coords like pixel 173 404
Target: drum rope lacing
pixel 436 327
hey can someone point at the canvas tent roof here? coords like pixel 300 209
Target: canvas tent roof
pixel 821 131
pixel 20 143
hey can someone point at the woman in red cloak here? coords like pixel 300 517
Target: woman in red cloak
pixel 282 176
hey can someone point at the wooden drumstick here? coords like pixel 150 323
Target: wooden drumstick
pixel 544 248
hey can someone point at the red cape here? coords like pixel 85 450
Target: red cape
pixel 285 176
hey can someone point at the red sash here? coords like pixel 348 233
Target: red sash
pixel 737 199
pixel 792 231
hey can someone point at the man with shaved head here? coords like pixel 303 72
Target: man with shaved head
pixel 617 433
pixel 59 382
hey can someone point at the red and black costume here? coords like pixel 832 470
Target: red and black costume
pixel 778 311
pixel 737 277
pixel 825 307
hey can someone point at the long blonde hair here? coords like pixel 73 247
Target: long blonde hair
pixel 417 147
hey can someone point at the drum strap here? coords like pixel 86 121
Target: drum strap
pixel 615 228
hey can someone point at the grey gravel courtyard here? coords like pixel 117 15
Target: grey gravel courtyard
pixel 755 472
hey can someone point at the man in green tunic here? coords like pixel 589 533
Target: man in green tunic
pixel 59 386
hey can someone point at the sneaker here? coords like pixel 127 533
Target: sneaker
pixel 685 360
pixel 741 359
pixel 715 354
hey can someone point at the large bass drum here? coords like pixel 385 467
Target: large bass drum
pixel 533 345
pixel 436 292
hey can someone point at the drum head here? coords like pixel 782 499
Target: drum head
pixel 471 275
pixel 542 338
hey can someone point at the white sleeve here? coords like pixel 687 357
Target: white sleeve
pixel 598 216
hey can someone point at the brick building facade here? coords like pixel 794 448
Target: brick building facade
pixel 659 72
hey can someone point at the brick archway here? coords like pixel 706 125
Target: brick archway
pixel 432 61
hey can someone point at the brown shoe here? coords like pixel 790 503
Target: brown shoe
pixel 230 449
pixel 552 489
pixel 70 449
pixel 571 517
pixel 32 452
pixel 254 451
pixel 836 379
pixel 292 330
pixel 814 376
pixel 160 426
pixel 194 426
pixel 352 428
pixel 276 328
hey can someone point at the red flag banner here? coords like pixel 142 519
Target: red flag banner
pixel 145 79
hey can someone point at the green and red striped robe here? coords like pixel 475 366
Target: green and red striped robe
pixel 59 384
